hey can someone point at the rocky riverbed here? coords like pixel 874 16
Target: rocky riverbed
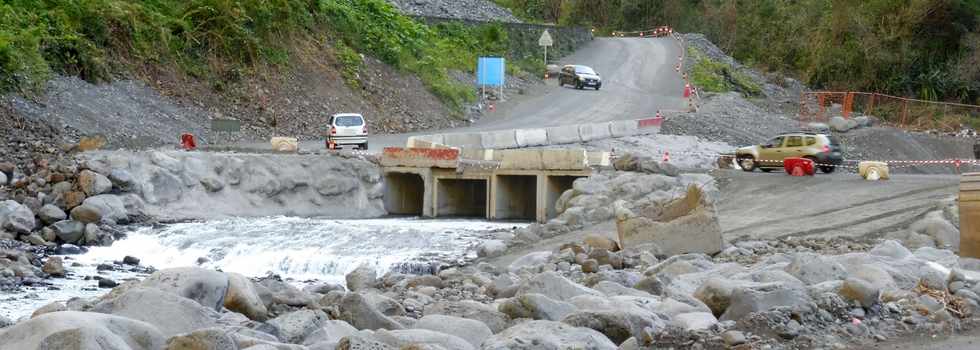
pixel 788 294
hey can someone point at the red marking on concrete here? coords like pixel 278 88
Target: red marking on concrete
pixel 424 153
pixel 650 122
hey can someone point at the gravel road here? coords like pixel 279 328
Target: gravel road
pixel 770 206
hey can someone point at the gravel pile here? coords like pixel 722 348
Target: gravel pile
pixel 779 93
pixel 731 119
pixel 128 113
pixel 476 10
pixel 23 141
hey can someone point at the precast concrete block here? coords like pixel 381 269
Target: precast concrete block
pixel 531 137
pixel 589 132
pixel 424 141
pixel 624 128
pixel 466 140
pixel 563 134
pixel 501 139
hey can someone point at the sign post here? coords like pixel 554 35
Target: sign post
pixel 544 42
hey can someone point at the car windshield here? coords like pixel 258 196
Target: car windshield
pixel 348 120
pixel 584 70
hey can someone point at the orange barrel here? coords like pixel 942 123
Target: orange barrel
pixel 970 215
pixel 797 166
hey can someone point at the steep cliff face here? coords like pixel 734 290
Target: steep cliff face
pixel 191 185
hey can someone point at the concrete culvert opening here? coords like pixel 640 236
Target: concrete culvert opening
pixel 404 194
pixel 516 197
pixel 461 197
pixel 556 186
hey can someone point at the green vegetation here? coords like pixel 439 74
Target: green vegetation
pixel 919 48
pixel 221 41
pixel 714 76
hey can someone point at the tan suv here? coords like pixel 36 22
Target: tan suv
pixel 822 149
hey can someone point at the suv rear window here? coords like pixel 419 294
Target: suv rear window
pixel 348 120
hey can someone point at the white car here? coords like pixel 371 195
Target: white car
pixel 347 129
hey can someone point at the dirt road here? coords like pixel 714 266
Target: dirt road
pixel 769 206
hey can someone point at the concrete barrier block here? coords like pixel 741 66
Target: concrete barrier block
pixel 420 157
pixel 531 137
pixel 590 132
pixel 467 140
pixel 873 171
pixel 649 125
pixel 599 159
pixel 561 159
pixel 563 134
pixel 424 141
pixel 285 144
pixel 502 139
pixel 623 128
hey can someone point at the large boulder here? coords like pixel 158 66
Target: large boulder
pixel 423 338
pixel 69 231
pixel 81 330
pixel 472 331
pixel 294 327
pixel 491 248
pixel 359 312
pixel 204 286
pixel 473 310
pixel 50 214
pixel 756 298
pixel 86 214
pixel 169 313
pixel 54 267
pixel 530 260
pixel 684 225
pixel 243 298
pixel 554 286
pixel 16 217
pixel 840 124
pixel 203 339
pixel 111 206
pixel 93 183
pixel 363 277
pixel 694 321
pixel 330 333
pixel 536 306
pixel 813 269
pixel 121 179
pixel 273 291
pixel 548 335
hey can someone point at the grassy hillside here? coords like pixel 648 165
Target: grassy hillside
pixel 924 48
pixel 221 41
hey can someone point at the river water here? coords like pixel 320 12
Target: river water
pixel 299 249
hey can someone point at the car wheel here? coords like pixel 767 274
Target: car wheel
pixel 747 163
pixel 597 88
pixel 827 169
pixel 766 170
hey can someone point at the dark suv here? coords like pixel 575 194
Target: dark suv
pixel 580 77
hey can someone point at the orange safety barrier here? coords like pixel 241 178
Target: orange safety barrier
pixel 902 112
